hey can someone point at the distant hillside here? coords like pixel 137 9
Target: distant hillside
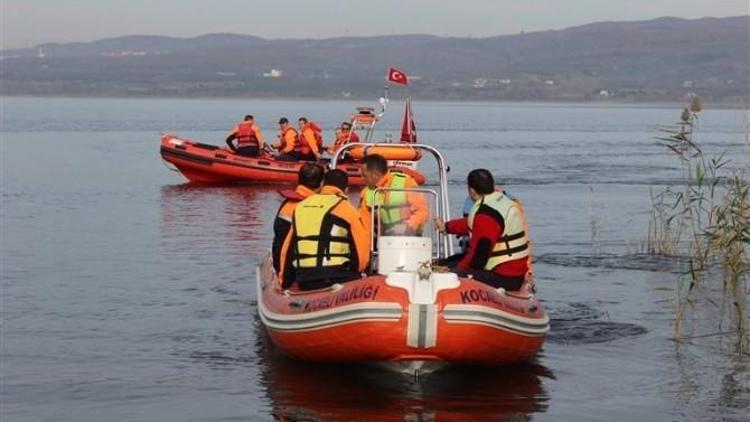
pixel 656 60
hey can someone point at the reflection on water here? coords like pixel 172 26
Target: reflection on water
pixel 721 386
pixel 321 392
pixel 581 323
pixel 236 219
pixel 640 261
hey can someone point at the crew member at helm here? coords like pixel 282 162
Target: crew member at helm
pixel 248 136
pixel 344 136
pixel 499 250
pixel 399 213
pixel 328 243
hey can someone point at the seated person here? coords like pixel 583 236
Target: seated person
pixel 344 136
pixel 248 136
pixel 309 177
pixel 400 213
pixel 327 243
pixel 498 251
pixel 288 142
pixel 310 140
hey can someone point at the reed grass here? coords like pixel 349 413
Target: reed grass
pixel 707 221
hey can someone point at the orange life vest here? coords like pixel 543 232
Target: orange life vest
pixel 342 138
pixel 317 131
pixel 296 137
pixel 246 135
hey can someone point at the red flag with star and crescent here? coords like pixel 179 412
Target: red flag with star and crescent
pixel 397 77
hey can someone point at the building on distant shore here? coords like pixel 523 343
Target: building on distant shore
pixel 274 73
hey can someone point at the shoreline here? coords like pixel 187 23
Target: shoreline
pixel 724 105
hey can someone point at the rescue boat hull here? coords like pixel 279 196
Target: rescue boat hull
pixel 372 320
pixel 202 163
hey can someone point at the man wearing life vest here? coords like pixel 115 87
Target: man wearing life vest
pixel 398 212
pixel 248 136
pixel 310 140
pixel 287 146
pixel 343 137
pixel 310 177
pixel 328 243
pixel 499 249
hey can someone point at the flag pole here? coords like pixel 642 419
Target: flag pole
pixel 411 116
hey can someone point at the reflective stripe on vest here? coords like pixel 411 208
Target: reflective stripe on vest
pixel 318 240
pixel 391 206
pixel 514 242
pixel 246 135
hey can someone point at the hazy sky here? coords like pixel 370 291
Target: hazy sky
pixel 29 22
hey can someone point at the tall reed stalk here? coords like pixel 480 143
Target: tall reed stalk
pixel 706 220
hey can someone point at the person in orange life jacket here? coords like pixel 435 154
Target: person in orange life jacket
pixel 327 243
pixel 499 250
pixel 344 136
pixel 310 140
pixel 287 146
pixel 309 178
pixel 398 212
pixel 248 136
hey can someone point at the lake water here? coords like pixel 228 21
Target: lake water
pixel 129 295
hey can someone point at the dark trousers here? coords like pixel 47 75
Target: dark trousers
pixel 324 277
pixel 487 277
pixel 288 156
pixel 308 157
pixel 247 151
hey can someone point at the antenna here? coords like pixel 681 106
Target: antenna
pixel 384 100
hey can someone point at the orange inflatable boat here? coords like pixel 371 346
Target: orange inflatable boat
pixel 405 313
pixel 202 163
pixel 414 324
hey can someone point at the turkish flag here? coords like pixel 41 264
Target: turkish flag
pixel 397 77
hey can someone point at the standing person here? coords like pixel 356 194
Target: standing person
pixel 398 212
pixel 287 146
pixel 248 136
pixel 343 137
pixel 499 249
pixel 310 177
pixel 327 243
pixel 310 140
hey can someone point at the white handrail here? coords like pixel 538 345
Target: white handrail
pixel 443 207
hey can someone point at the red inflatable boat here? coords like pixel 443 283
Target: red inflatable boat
pixel 202 163
pixel 406 313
